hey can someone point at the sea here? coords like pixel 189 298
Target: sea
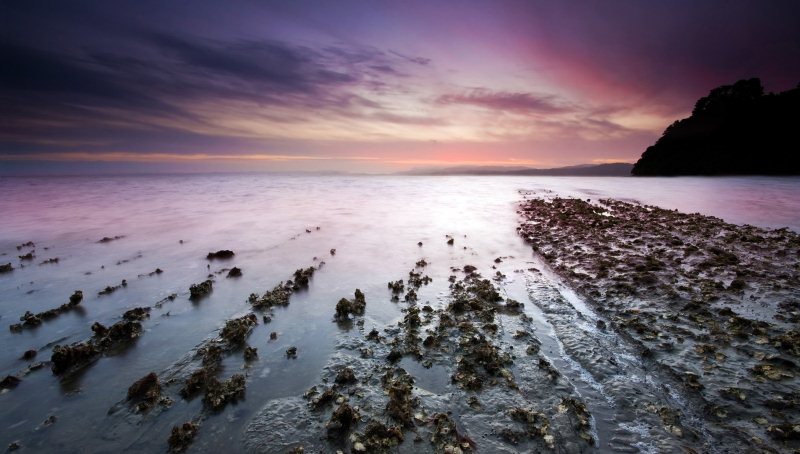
pixel 366 229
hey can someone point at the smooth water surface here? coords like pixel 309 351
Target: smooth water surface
pixel 172 222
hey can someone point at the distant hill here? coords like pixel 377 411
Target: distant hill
pixel 735 130
pixel 619 169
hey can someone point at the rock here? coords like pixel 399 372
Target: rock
pixel 29 319
pixel 68 356
pixel 273 335
pixel 109 289
pixel 29 355
pixel 394 356
pixel 197 291
pixel 218 394
pixel 10 382
pixel 235 272
pixel 24 245
pixel 302 277
pixel 52 419
pixel 28 256
pixel 377 437
pixel 356 306
pixel 7 268
pixel 196 381
pixel 250 353
pixel 786 431
pixel 145 392
pixel 396 287
pixel 137 314
pixel 345 376
pixel 220 255
pixel 107 239
pixel 236 330
pixel 400 401
pixel 343 419
pixel 182 436
pixel 120 332
pixel 278 296
pixel 76 298
pixel 291 352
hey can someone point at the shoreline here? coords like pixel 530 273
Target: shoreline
pixel 582 344
pixel 711 304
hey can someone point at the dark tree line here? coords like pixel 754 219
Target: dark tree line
pixel 735 130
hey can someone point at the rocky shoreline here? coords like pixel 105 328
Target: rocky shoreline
pixel 630 329
pixel 711 306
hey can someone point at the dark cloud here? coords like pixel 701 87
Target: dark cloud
pixel 60 93
pixel 523 103
pixel 422 61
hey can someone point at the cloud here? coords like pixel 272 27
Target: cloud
pixel 521 103
pixel 170 81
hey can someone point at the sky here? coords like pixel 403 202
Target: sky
pixel 367 86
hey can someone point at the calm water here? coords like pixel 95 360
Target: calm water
pixel 373 222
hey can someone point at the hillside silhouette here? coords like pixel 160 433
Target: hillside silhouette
pixel 735 130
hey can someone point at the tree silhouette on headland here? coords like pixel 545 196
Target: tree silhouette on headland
pixel 735 130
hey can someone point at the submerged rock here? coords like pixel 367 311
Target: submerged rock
pixel 342 421
pixel 786 431
pixel 218 393
pixel 26 244
pixel 119 333
pixel 236 330
pixel 250 353
pixel 203 289
pixel 137 314
pixel 356 306
pixel 111 289
pixel 145 392
pixel 220 255
pixel 30 320
pixel 400 400
pixel 182 436
pixel 378 437
pixel 302 277
pixel 345 376
pixel 69 356
pixel 10 382
pixel 76 298
pixel 107 239
pixel 196 381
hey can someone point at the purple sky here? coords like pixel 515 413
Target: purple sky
pixel 365 85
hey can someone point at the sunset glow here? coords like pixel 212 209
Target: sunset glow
pixel 370 87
